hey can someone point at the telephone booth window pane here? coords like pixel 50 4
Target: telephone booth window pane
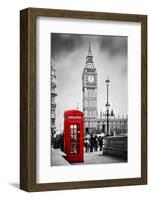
pixel 75 142
pixel 78 148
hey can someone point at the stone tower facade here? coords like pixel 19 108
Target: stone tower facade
pixel 53 98
pixel 89 91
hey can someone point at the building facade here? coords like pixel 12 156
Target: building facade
pixel 53 102
pixel 117 125
pixel 89 91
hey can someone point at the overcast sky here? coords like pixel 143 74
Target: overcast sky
pixel 69 51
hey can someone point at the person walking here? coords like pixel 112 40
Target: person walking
pixel 91 143
pixel 87 145
pixel 100 142
pixel 95 143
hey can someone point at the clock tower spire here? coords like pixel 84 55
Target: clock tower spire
pixel 89 89
pixel 89 51
pixel 89 59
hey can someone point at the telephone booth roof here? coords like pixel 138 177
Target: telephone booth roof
pixel 73 113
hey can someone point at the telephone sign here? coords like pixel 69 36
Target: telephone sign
pixel 74 135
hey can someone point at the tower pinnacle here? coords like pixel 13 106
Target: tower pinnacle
pixel 89 51
pixel 89 58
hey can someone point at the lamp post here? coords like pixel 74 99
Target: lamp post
pixel 91 136
pixel 107 106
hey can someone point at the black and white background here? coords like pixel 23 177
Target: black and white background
pixel 68 53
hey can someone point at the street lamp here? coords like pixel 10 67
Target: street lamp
pixel 107 106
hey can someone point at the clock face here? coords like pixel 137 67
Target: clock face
pixel 90 79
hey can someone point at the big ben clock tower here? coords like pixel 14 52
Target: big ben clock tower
pixel 89 89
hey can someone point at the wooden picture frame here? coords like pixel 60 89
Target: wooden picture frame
pixel 28 98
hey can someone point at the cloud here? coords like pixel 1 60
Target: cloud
pixel 114 45
pixel 64 43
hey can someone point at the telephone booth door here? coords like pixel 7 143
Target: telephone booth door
pixel 74 136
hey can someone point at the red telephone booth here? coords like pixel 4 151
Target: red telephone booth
pixel 74 135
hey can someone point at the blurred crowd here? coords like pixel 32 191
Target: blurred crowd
pixel 93 143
